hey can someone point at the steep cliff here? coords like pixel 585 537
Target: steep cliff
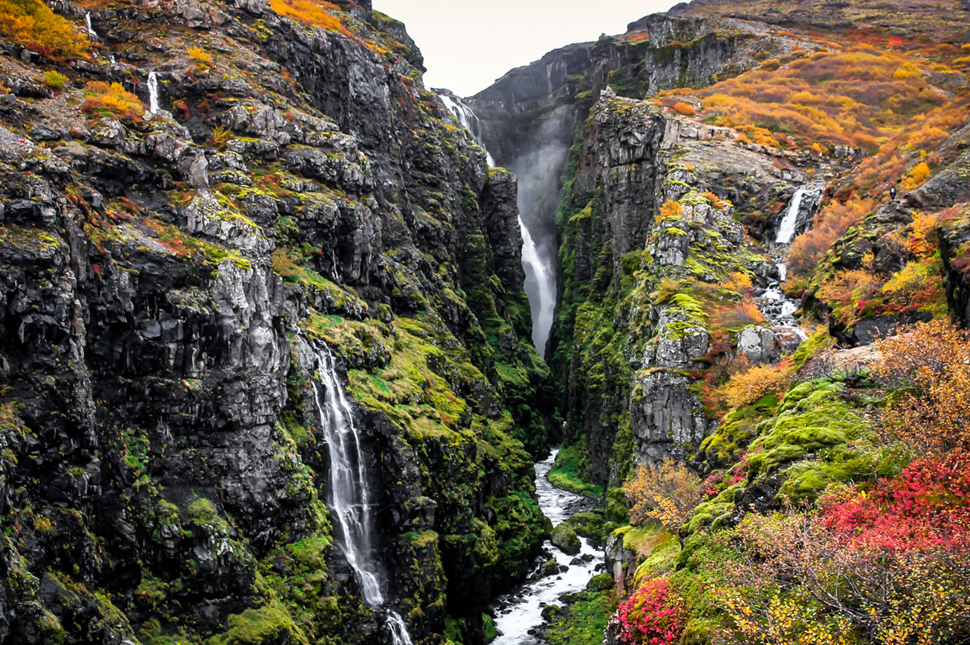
pixel 169 280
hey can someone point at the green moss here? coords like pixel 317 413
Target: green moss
pixel 583 620
pixel 570 463
pixel 256 626
pixel 812 417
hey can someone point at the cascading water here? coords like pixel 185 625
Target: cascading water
pixel 540 277
pixel 544 303
pixel 350 496
pixel 521 612
pixel 787 229
pixel 469 120
pixel 778 308
pixel 87 19
pixel 152 92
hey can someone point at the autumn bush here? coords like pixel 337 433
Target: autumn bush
pixel 199 56
pixel 311 12
pixel 926 507
pixel 754 383
pixel 685 109
pixel 671 209
pixel 54 80
pixel 739 314
pixel 798 581
pixel 828 225
pixel 101 99
pixel 929 367
pixel 667 492
pixel 32 24
pixel 652 615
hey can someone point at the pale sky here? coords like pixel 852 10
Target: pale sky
pixel 468 44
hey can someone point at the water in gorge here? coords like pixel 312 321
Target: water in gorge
pixel 786 231
pixel 350 496
pixel 520 612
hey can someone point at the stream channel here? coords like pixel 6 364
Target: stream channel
pixel 519 613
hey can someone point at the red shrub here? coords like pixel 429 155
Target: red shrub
pixel 651 615
pixel 926 507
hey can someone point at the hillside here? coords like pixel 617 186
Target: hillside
pixel 753 464
pixel 266 369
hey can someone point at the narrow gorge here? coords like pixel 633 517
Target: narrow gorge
pixel 658 339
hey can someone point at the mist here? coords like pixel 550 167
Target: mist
pixel 538 172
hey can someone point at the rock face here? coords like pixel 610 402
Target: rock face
pixel 167 282
pixel 648 216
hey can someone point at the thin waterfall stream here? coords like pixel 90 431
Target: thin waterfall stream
pixel 153 92
pixel 350 494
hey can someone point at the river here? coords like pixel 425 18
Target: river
pixel 519 613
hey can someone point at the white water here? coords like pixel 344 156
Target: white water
pixel 469 120
pixel 521 611
pixel 544 304
pixel 349 496
pixel 542 298
pixel 787 229
pixel 87 19
pixel 152 93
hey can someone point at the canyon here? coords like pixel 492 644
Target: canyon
pixel 295 350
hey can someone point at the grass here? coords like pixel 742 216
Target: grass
pixel 566 473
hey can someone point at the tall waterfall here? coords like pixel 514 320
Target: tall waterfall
pixel 152 93
pixel 540 276
pixel 787 229
pixel 87 19
pixel 350 496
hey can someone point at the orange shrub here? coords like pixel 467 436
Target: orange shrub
pixel 828 225
pixel 917 176
pixel 931 365
pixel 752 384
pixel 671 210
pixel 852 98
pixel 685 108
pixel 199 56
pixel 101 99
pixel 667 492
pixel 311 12
pixel 739 283
pixel 32 24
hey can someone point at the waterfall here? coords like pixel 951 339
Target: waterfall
pixel 87 19
pixel 469 120
pixel 350 496
pixel 540 277
pixel 787 229
pixel 544 304
pixel 152 92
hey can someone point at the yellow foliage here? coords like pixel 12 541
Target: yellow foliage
pixel 115 99
pixel 311 12
pixel 925 239
pixel 752 384
pixel 667 492
pixel 917 176
pixel 32 24
pixel 200 56
pixel 932 363
pixel 739 283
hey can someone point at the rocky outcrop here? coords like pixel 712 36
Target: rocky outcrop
pixel 165 280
